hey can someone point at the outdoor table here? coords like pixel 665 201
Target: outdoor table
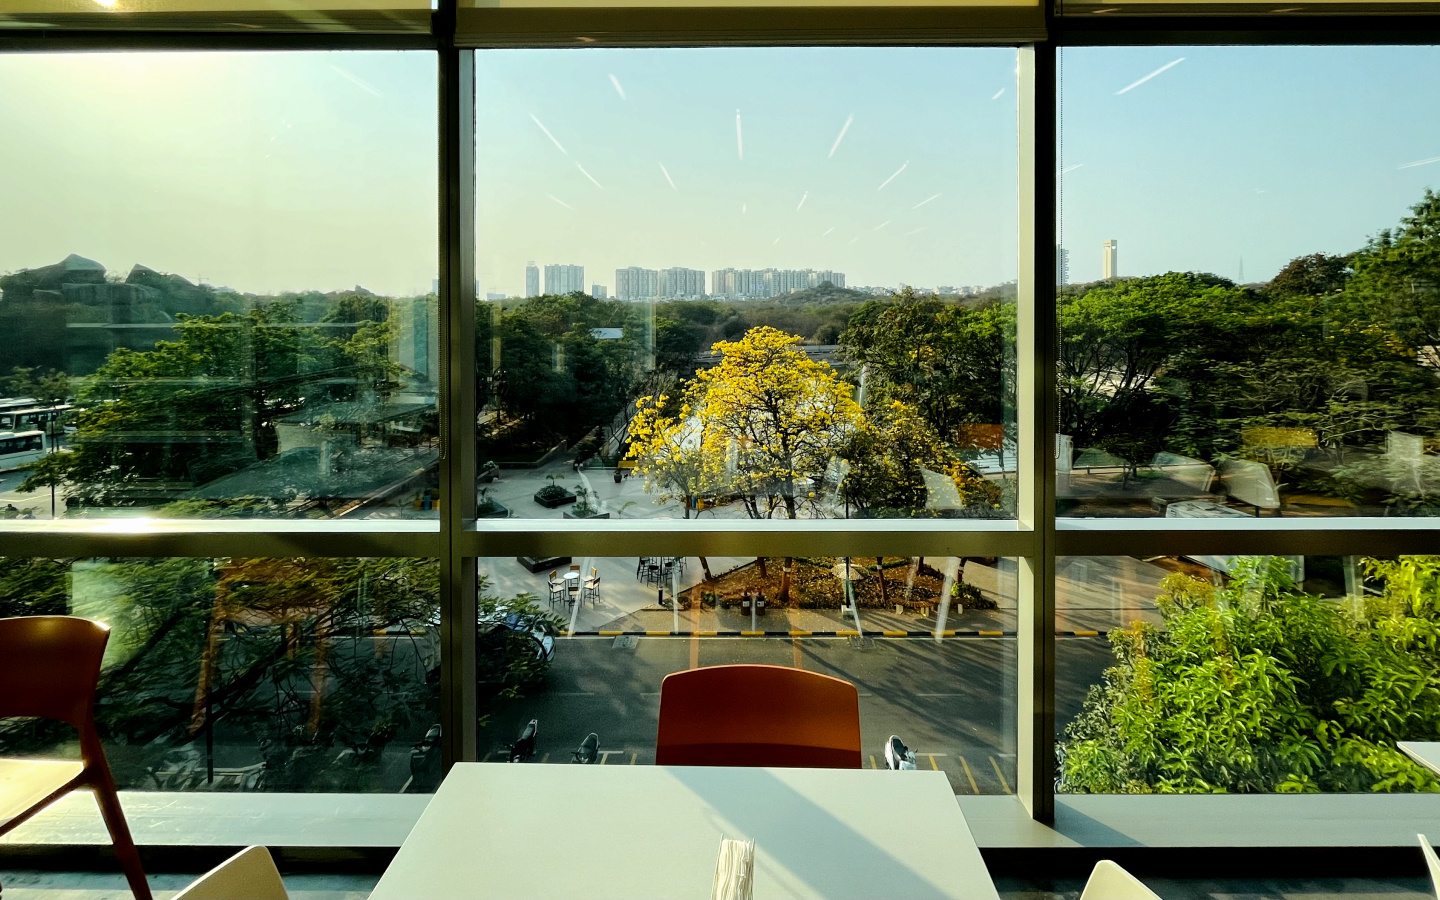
pixel 654 831
pixel 1426 753
pixel 572 581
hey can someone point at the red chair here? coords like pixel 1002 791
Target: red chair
pixel 758 716
pixel 49 666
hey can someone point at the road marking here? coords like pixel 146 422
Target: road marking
pixel 872 762
pixel 694 649
pixel 655 694
pixel 752 634
pixel 796 659
pixel 1001 775
pixel 1086 633
pixel 609 633
pixel 969 774
pixel 900 633
pixel 932 761
pixel 605 755
pixel 657 634
pixel 991 633
pixel 704 633
pixel 487 756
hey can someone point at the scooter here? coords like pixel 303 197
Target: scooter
pixel 897 755
pixel 589 749
pixel 524 748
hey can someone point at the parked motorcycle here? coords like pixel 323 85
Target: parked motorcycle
pixel 589 749
pixel 524 748
pixel 897 755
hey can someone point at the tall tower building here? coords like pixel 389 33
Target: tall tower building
pixel 1112 259
pixel 1062 265
pixel 597 291
pixel 532 279
pixel 681 282
pixel 635 283
pixel 564 279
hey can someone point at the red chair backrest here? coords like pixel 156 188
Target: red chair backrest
pixel 49 666
pixel 758 716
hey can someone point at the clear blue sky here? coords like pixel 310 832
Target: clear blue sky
pixel 317 170
pixel 1261 153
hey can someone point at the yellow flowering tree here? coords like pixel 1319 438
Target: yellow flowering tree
pixel 768 419
pixel 669 451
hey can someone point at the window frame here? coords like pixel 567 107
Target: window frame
pixel 1037 537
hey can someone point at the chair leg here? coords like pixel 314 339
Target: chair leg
pixel 120 836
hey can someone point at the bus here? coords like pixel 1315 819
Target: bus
pixel 20 448
pixel 33 418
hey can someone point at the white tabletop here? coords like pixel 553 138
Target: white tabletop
pixel 1426 753
pixel 526 830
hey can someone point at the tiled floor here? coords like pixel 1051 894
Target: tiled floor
pixel 1231 888
pixel 31 884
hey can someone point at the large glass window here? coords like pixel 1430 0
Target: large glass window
pixel 581 645
pixel 1249 294
pixel 217 285
pixel 1253 674
pixel 236 674
pixel 759 283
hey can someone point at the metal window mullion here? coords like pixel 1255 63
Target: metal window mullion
pixel 1155 538
pixel 166 543
pixel 458 697
pixel 1036 424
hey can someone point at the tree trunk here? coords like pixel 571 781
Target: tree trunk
pixel 785 580
pixel 761 561
pixel 705 565
pixel 880 570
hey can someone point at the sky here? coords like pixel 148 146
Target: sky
pixel 317 170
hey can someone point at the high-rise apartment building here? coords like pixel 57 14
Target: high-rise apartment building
pixel 755 284
pixel 1112 259
pixel 597 291
pixel 1062 265
pixel 564 279
pixel 532 279
pixel 682 283
pixel 635 283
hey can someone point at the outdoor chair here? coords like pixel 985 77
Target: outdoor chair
pixel 591 590
pixel 1110 882
pixel 248 875
pixel 557 588
pixel 1432 862
pixel 49 667
pixel 750 715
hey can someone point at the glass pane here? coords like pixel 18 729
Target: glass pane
pixel 234 674
pixel 796 301
pixel 1255 674
pixel 225 307
pixel 581 645
pixel 1249 326
pixel 245 16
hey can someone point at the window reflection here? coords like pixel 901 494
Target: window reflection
pixel 580 646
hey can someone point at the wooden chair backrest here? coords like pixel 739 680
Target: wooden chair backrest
pixel 750 715
pixel 49 666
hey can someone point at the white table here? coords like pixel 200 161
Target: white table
pixel 571 831
pixel 1426 753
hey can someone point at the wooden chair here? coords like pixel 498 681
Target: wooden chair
pixel 248 875
pixel 1110 882
pixel 557 588
pixel 750 715
pixel 49 666
pixel 591 590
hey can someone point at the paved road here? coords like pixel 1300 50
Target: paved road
pixel 953 702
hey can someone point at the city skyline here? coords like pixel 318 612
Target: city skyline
pixel 271 172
